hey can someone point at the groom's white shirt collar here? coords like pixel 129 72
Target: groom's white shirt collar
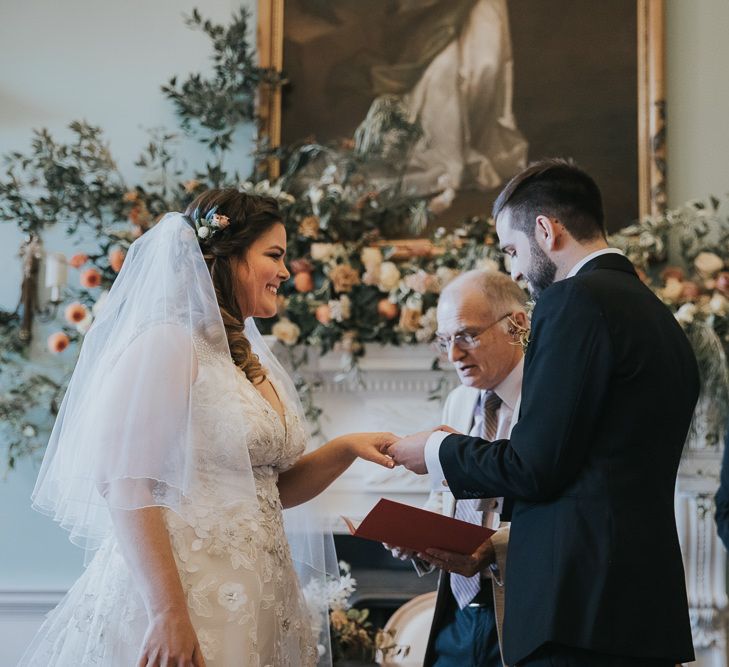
pixel 590 257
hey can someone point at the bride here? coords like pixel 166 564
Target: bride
pixel 178 444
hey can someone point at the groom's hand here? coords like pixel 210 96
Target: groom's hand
pixel 410 450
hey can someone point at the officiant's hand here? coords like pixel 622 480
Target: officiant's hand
pixel 410 450
pixel 467 566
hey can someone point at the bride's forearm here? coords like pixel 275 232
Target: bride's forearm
pixel 145 545
pixel 314 472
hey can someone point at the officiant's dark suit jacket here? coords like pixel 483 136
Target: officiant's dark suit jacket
pixel 610 384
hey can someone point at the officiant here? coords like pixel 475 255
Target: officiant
pixel 481 316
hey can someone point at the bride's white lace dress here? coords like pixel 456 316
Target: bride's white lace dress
pixel 242 590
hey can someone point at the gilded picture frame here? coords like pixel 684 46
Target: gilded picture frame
pixel 649 95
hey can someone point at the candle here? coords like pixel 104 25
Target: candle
pixel 56 274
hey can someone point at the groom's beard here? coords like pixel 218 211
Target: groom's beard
pixel 541 272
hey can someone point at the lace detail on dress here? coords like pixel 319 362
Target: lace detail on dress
pixel 234 561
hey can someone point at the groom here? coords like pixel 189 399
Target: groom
pixel 594 575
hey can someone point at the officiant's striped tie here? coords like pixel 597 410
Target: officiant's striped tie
pixel 485 425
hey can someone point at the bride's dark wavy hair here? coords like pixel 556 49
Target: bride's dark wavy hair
pixel 250 216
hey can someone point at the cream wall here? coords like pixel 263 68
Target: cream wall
pixel 104 62
pixel 697 64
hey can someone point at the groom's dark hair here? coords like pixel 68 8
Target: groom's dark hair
pixel 559 189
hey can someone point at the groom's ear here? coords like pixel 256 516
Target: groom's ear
pixel 547 232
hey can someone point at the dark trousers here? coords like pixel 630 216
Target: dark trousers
pixel 555 655
pixel 468 639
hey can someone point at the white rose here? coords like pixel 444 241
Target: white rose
pixel 203 232
pixel 708 264
pixel 428 326
pixel 718 304
pixel 341 309
pixel 685 314
pixel 371 258
pixel 321 252
pixel 646 240
pixel 286 331
pixel 29 431
pixel 389 276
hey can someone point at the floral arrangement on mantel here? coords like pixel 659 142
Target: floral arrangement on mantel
pixel 340 204
pixel 354 638
pixel 683 255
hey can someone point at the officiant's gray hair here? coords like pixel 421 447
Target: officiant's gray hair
pixel 500 292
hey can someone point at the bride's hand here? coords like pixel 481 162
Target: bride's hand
pixel 170 640
pixel 372 447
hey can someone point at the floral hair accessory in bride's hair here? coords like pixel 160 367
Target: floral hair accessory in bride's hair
pixel 210 224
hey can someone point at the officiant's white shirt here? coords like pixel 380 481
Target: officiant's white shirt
pixel 509 391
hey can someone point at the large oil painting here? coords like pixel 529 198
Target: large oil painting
pixel 493 84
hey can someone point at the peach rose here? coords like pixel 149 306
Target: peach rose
pixel 303 282
pixel 422 282
pixel 75 313
pixel 690 291
pixel 191 185
pixel 130 196
pixel 116 259
pixel 323 314
pixel 673 272
pixel 309 227
pixel 387 309
pixel 139 215
pixel 673 290
pixel 90 278
pixel 301 265
pixel 78 260
pixel 58 342
pixel 344 278
pixel 220 221
pixel 410 319
pixel 722 282
pixel 85 324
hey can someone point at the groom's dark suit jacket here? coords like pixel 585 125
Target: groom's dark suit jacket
pixel 610 384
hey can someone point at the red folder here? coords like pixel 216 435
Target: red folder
pixel 416 529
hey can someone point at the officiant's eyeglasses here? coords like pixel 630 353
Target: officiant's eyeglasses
pixel 465 340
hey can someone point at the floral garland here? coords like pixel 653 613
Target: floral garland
pixel 683 255
pixel 350 285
